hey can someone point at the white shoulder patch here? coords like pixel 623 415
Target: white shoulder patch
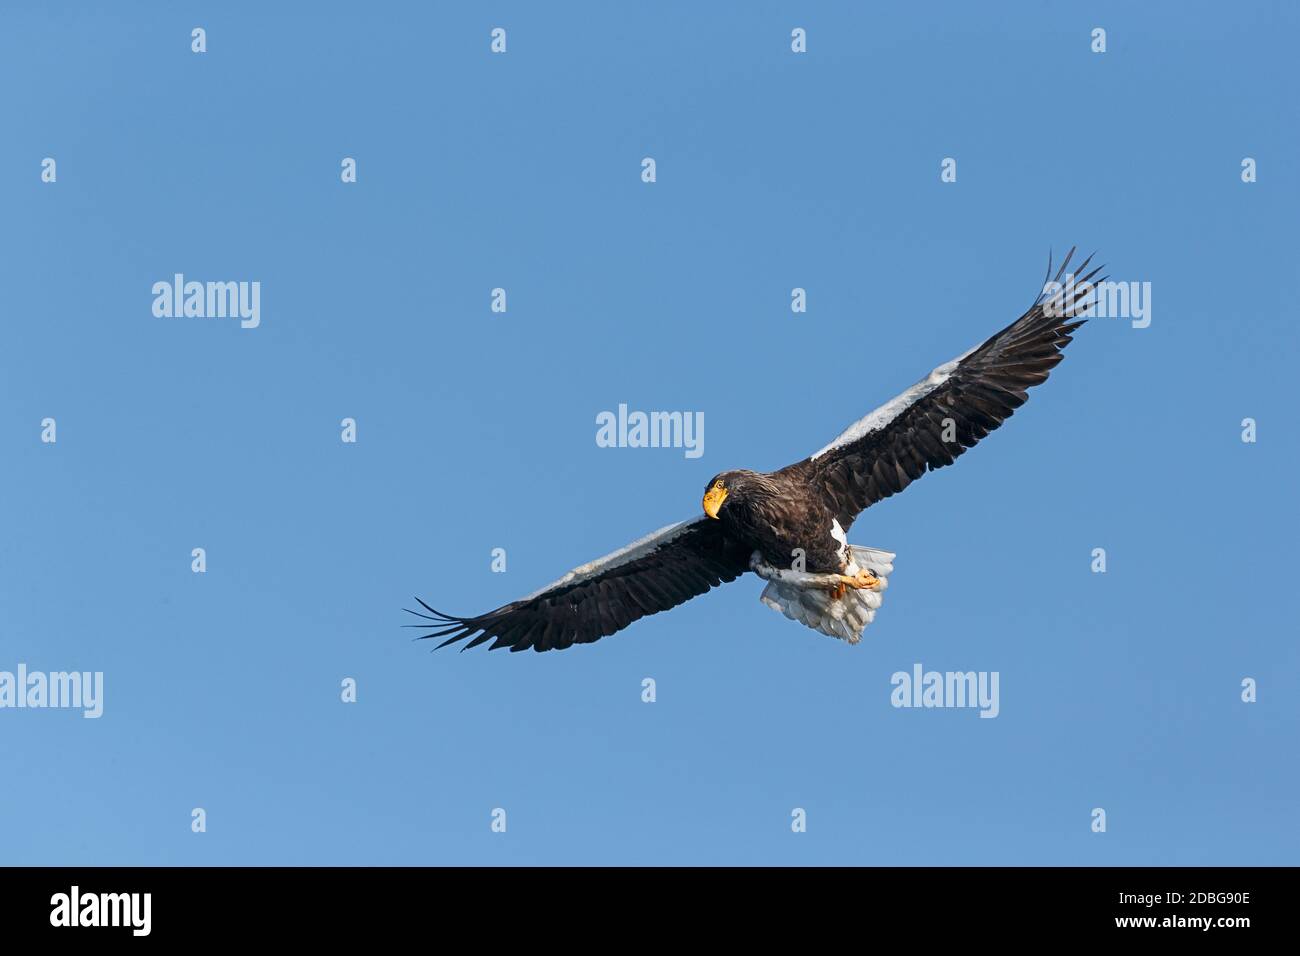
pixel 887 412
pixel 639 547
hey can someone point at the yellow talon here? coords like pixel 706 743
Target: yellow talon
pixel 863 580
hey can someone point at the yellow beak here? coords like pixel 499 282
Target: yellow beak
pixel 713 499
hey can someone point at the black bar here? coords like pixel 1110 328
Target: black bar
pixel 206 904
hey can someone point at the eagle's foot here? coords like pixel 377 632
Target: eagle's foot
pixel 864 580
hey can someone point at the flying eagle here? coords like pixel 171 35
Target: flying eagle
pixel 759 522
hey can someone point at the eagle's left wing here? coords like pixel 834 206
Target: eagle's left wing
pixel 658 572
pixel 952 408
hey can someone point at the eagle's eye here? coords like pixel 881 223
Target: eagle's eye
pixel 718 485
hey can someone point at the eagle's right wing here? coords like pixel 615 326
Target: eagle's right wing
pixel 658 572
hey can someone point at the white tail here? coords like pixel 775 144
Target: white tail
pixel 807 598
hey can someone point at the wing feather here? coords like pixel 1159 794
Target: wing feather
pixel 656 573
pixel 969 397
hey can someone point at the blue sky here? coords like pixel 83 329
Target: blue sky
pixel 476 430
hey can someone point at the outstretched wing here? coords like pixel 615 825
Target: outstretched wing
pixel 658 572
pixel 933 422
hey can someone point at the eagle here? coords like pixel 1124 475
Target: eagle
pixel 790 526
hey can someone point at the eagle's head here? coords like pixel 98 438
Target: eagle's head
pixel 729 486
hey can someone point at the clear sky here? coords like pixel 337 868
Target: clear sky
pixel 476 430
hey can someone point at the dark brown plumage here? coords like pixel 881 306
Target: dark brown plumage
pixel 578 612
pixel 801 506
